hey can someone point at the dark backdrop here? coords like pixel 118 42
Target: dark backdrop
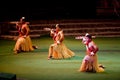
pixel 47 9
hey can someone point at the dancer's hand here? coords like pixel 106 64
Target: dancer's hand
pixel 24 36
pixel 92 53
pixel 58 42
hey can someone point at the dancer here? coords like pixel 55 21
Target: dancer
pixel 58 50
pixel 90 61
pixel 23 42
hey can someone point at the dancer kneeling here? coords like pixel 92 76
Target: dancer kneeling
pixel 90 61
pixel 58 50
pixel 23 42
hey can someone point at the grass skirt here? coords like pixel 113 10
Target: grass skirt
pixel 23 44
pixel 61 51
pixel 90 64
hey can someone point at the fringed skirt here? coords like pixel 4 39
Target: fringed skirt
pixel 23 44
pixel 61 51
pixel 90 64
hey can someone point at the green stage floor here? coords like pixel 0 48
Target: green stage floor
pixel 35 66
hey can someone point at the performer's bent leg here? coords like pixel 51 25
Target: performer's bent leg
pixel 50 51
pixel 17 47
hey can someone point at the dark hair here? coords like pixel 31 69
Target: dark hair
pixel 89 36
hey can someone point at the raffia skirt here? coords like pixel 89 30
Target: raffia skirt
pixel 90 64
pixel 61 51
pixel 23 44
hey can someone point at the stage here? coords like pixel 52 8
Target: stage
pixel 35 66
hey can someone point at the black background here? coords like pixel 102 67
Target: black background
pixel 47 9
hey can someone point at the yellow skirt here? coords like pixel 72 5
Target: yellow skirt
pixel 90 64
pixel 23 44
pixel 61 51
